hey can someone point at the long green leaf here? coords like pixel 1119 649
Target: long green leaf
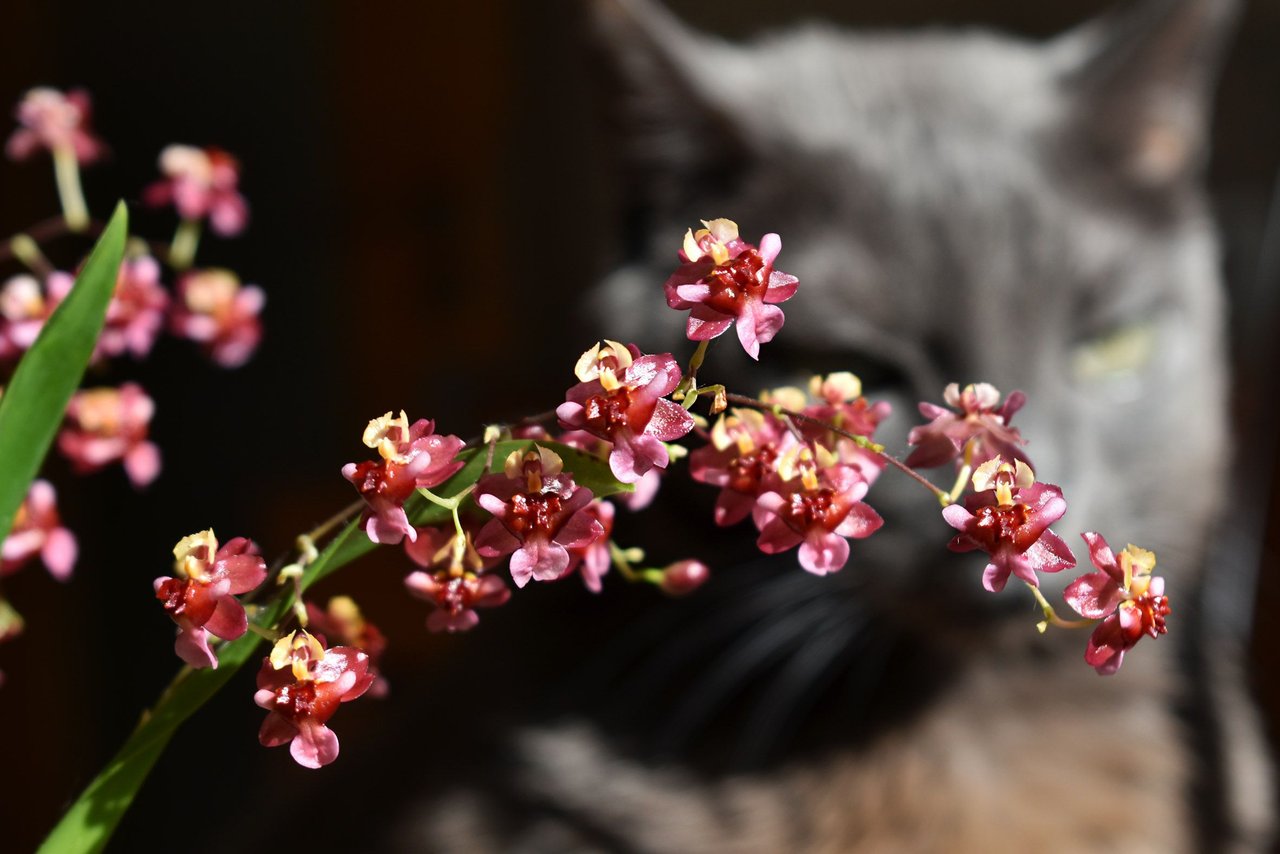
pixel 89 823
pixel 36 398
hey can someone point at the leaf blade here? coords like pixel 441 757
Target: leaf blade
pixel 89 822
pixel 36 398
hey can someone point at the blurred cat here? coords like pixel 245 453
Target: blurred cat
pixel 958 207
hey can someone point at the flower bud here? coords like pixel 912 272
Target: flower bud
pixel 683 577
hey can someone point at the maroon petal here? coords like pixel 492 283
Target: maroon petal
pixel 494 540
pixel 706 323
pixel 443 621
pixel 1049 554
pixel 276 729
pixel 782 287
pixel 228 620
pixel 1093 595
pixel 581 530
pixel 243 571
pixel 670 421
pixel 1101 556
pixel 732 507
pixel 777 536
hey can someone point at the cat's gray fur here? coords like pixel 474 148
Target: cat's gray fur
pixel 957 206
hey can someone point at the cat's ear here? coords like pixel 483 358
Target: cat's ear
pixel 1141 84
pixel 668 91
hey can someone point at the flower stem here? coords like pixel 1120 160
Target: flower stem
pixel 1051 617
pixel 66 172
pixel 333 521
pixel 186 239
pixel 690 382
pixel 624 559
pixel 28 252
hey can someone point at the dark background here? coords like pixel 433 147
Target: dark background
pixel 430 196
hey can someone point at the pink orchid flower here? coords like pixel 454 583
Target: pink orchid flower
pixel 1124 595
pixel 200 597
pixel 816 510
pixel 105 425
pixel 1008 517
pixel 213 309
pixel 201 182
pixel 981 422
pixel 412 457
pixel 622 399
pixel 24 308
pixel 54 121
pixel 37 530
pixel 728 282
pixel 301 684
pixel 539 514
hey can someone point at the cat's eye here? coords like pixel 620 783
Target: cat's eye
pixel 1116 354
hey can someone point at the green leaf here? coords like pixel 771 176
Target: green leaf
pixel 89 823
pixel 36 398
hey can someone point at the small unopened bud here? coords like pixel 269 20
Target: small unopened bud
pixel 10 621
pixel 683 577
pixel 719 401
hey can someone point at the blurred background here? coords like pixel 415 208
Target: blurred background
pixel 431 194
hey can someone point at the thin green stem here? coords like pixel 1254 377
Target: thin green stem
pixel 1051 617
pixel 66 172
pixel 28 252
pixel 689 384
pixel 186 239
pixel 333 521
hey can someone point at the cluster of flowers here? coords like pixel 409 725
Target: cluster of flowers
pixel 798 463
pixel 208 306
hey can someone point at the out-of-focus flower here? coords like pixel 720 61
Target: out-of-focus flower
pixel 621 399
pixel 412 457
pixel 1008 517
pixel 201 182
pixel 213 309
pixel 458 582
pixel 107 424
pixel 741 460
pixel 200 597
pixel 23 310
pixel 456 597
pixel 539 513
pixel 342 621
pixel 593 560
pixel 836 400
pixel 1124 595
pixel 645 489
pixel 54 121
pixel 37 530
pixel 301 684
pixel 981 422
pixel 726 281
pixel 136 312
